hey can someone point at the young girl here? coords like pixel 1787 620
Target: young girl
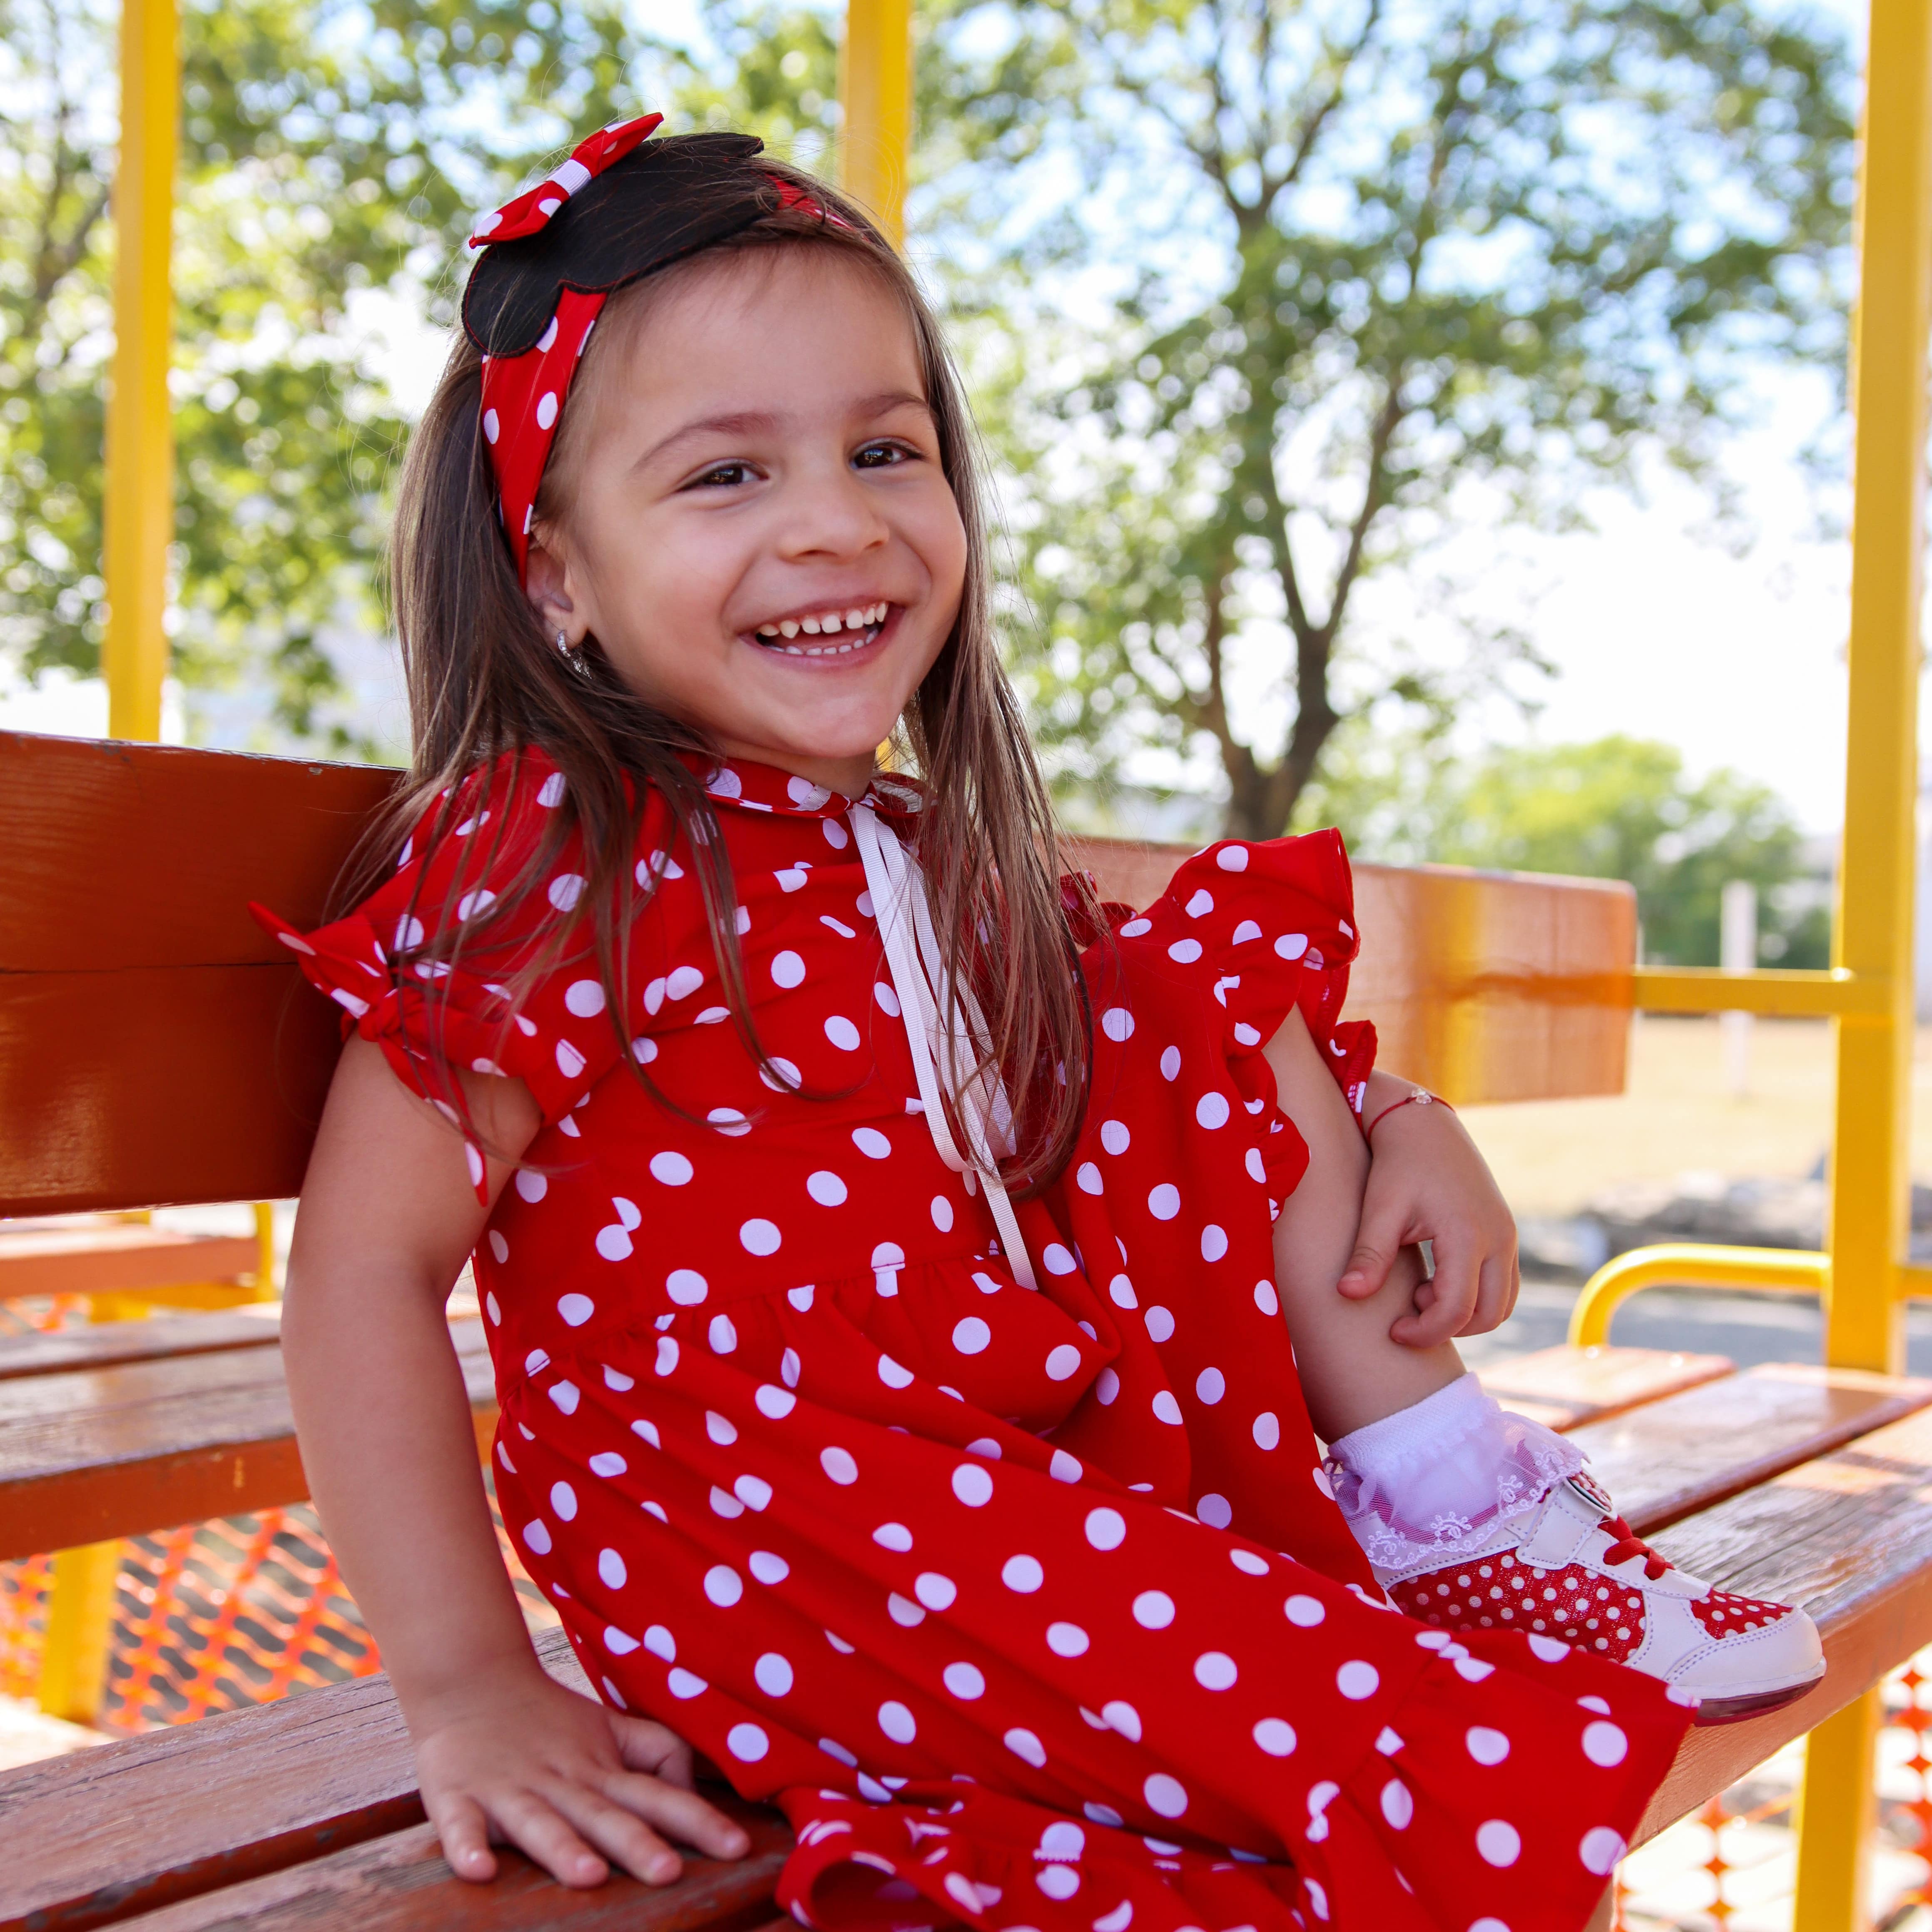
pixel 885 1249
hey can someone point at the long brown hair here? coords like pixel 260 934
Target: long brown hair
pixel 485 684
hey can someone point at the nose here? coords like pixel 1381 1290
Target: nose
pixel 831 516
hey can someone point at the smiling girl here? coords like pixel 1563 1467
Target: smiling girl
pixel 889 1256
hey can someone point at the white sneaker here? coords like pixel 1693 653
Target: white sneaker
pixel 1571 1572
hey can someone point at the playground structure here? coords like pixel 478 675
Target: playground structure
pixel 1861 1275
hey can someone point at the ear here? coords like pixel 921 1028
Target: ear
pixel 546 584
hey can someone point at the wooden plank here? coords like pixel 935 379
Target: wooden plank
pixel 1564 1388
pixel 117 1257
pixel 153 1339
pixel 90 1454
pixel 1670 1459
pixel 132 979
pixel 1849 1537
pixel 100 1835
pixel 1485 986
pixel 400 1883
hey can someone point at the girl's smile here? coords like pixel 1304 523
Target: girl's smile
pixel 753 520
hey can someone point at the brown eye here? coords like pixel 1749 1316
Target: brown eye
pixel 882 455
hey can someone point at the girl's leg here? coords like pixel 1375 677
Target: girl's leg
pixel 1352 1373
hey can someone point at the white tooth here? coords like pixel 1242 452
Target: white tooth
pixel 768 630
pixel 829 624
pixel 843 649
pixel 856 620
pixel 877 615
pixel 809 626
pixel 788 628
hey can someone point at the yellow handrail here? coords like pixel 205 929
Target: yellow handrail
pixel 1690 1264
pixel 875 91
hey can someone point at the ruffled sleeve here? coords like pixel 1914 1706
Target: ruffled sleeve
pixel 487 1010
pixel 1263 927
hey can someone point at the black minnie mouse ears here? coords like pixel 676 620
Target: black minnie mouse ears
pixel 663 199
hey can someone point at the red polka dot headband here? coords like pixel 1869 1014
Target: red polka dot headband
pixel 553 255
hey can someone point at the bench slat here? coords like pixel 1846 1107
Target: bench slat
pixel 400 1883
pixel 118 1451
pixel 1564 1388
pixel 1848 1537
pixel 152 1339
pixel 105 1261
pixel 1672 1458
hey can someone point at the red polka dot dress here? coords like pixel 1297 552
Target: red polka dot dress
pixel 1029 1606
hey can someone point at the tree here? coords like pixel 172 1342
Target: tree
pixel 1382 256
pixel 1617 807
pixel 326 149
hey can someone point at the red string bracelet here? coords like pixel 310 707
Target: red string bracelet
pixel 1421 1097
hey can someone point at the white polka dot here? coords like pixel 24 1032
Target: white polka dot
pixel 1604 1743
pixel 1121 1716
pixel 935 1592
pixel 1267 1430
pixel 611 1569
pixel 1304 1612
pixel 1170 1063
pixel 531 1186
pixel 1486 1745
pixel 1486 1923
pixel 723 1586
pixel 1499 1842
pixel 1210 1385
pixel 767 1567
pixel 842 1033
pixel 1398 1804
pixel 788 1362
pixel 1166 1409
pixel 1257 1168
pixel 1214 1242
pixel 1106 1529
pixel 1117 1023
pixel 1549 1649
pixel 870 1142
pixel 667 1359
pixel 1166 1796
pixel 1057 1260
pixel 971 1336
pixel 1600 1850
pixel 565 890
pixel 1248 1562
pixel 492 428
pixel 673 1169
pixel 772 1674
pixel 490 1306
pixel 686 1287
pixel 536 1537
pixel 896 1721
pixel 1292 945
pixel 1023 1744
pixel 1216 1511
pixel 1184 951
pixel 1153 1609
pixel 1057 1882
pixel 1114 1137
pixel 1232 858
pixel 661 1643
pixel 1214 1670
pixel 1356 1680
pixel 838 1464
pixel 563 1501
pixel 760 1237
pixel 965 1681
pixel 888 1000
pixel 1062 1362
pixel 722 1335
pixel 788 969
pixel 893 1536
pixel 681 1683
pixel 547 409
pixel 1275 1736
pixel 754 1491
pixel 806 792
pixel 1160 1323
pixel 618 1643
pixel 1066 1639
pixel 1212 1110
pixel 1087 1178
pixel 972 1485
pixel 1122 1292
pixel 576 1310
pixel 826 1188
pixel 942 1213
pixel 1266 1299
pixel 1164 1202
pixel 1135 928
pixel 566 1395
pixel 894 1375
pixel 1023 1574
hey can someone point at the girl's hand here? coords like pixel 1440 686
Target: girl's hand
pixel 521 1760
pixel 1427 1183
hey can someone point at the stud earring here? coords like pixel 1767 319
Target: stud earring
pixel 563 641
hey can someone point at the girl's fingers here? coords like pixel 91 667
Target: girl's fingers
pixel 608 1818
pixel 1453 1295
pixel 464 1832
pixel 1384 1227
pixel 538 1829
pixel 681 1815
pixel 646 1746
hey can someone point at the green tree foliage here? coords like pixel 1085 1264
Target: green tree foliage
pixel 1378 254
pixel 1617 807
pixel 326 149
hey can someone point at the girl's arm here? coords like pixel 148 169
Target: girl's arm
pixel 1353 1370
pixel 387 1219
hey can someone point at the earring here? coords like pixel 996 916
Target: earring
pixel 562 641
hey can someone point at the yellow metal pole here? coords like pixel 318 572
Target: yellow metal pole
pixel 875 91
pixel 80 1620
pixel 1871 1150
pixel 139 507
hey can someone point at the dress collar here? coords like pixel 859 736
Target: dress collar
pixel 756 787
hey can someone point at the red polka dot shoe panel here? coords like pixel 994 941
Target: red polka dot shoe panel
pixel 985 1586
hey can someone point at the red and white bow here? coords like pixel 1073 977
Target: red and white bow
pixel 588 159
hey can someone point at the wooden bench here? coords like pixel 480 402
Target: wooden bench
pixel 1802 1484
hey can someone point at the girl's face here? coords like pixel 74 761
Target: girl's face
pixel 762 539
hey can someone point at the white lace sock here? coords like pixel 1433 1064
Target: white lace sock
pixel 1427 1482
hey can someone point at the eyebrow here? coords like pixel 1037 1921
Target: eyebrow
pixel 749 421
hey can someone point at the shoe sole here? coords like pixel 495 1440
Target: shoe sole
pixel 1714 1711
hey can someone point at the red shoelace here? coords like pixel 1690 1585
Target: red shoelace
pixel 1625 1543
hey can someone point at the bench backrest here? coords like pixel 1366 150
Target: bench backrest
pixel 156 1046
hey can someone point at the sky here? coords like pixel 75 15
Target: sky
pixel 1654 629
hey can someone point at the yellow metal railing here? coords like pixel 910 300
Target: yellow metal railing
pixel 875 91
